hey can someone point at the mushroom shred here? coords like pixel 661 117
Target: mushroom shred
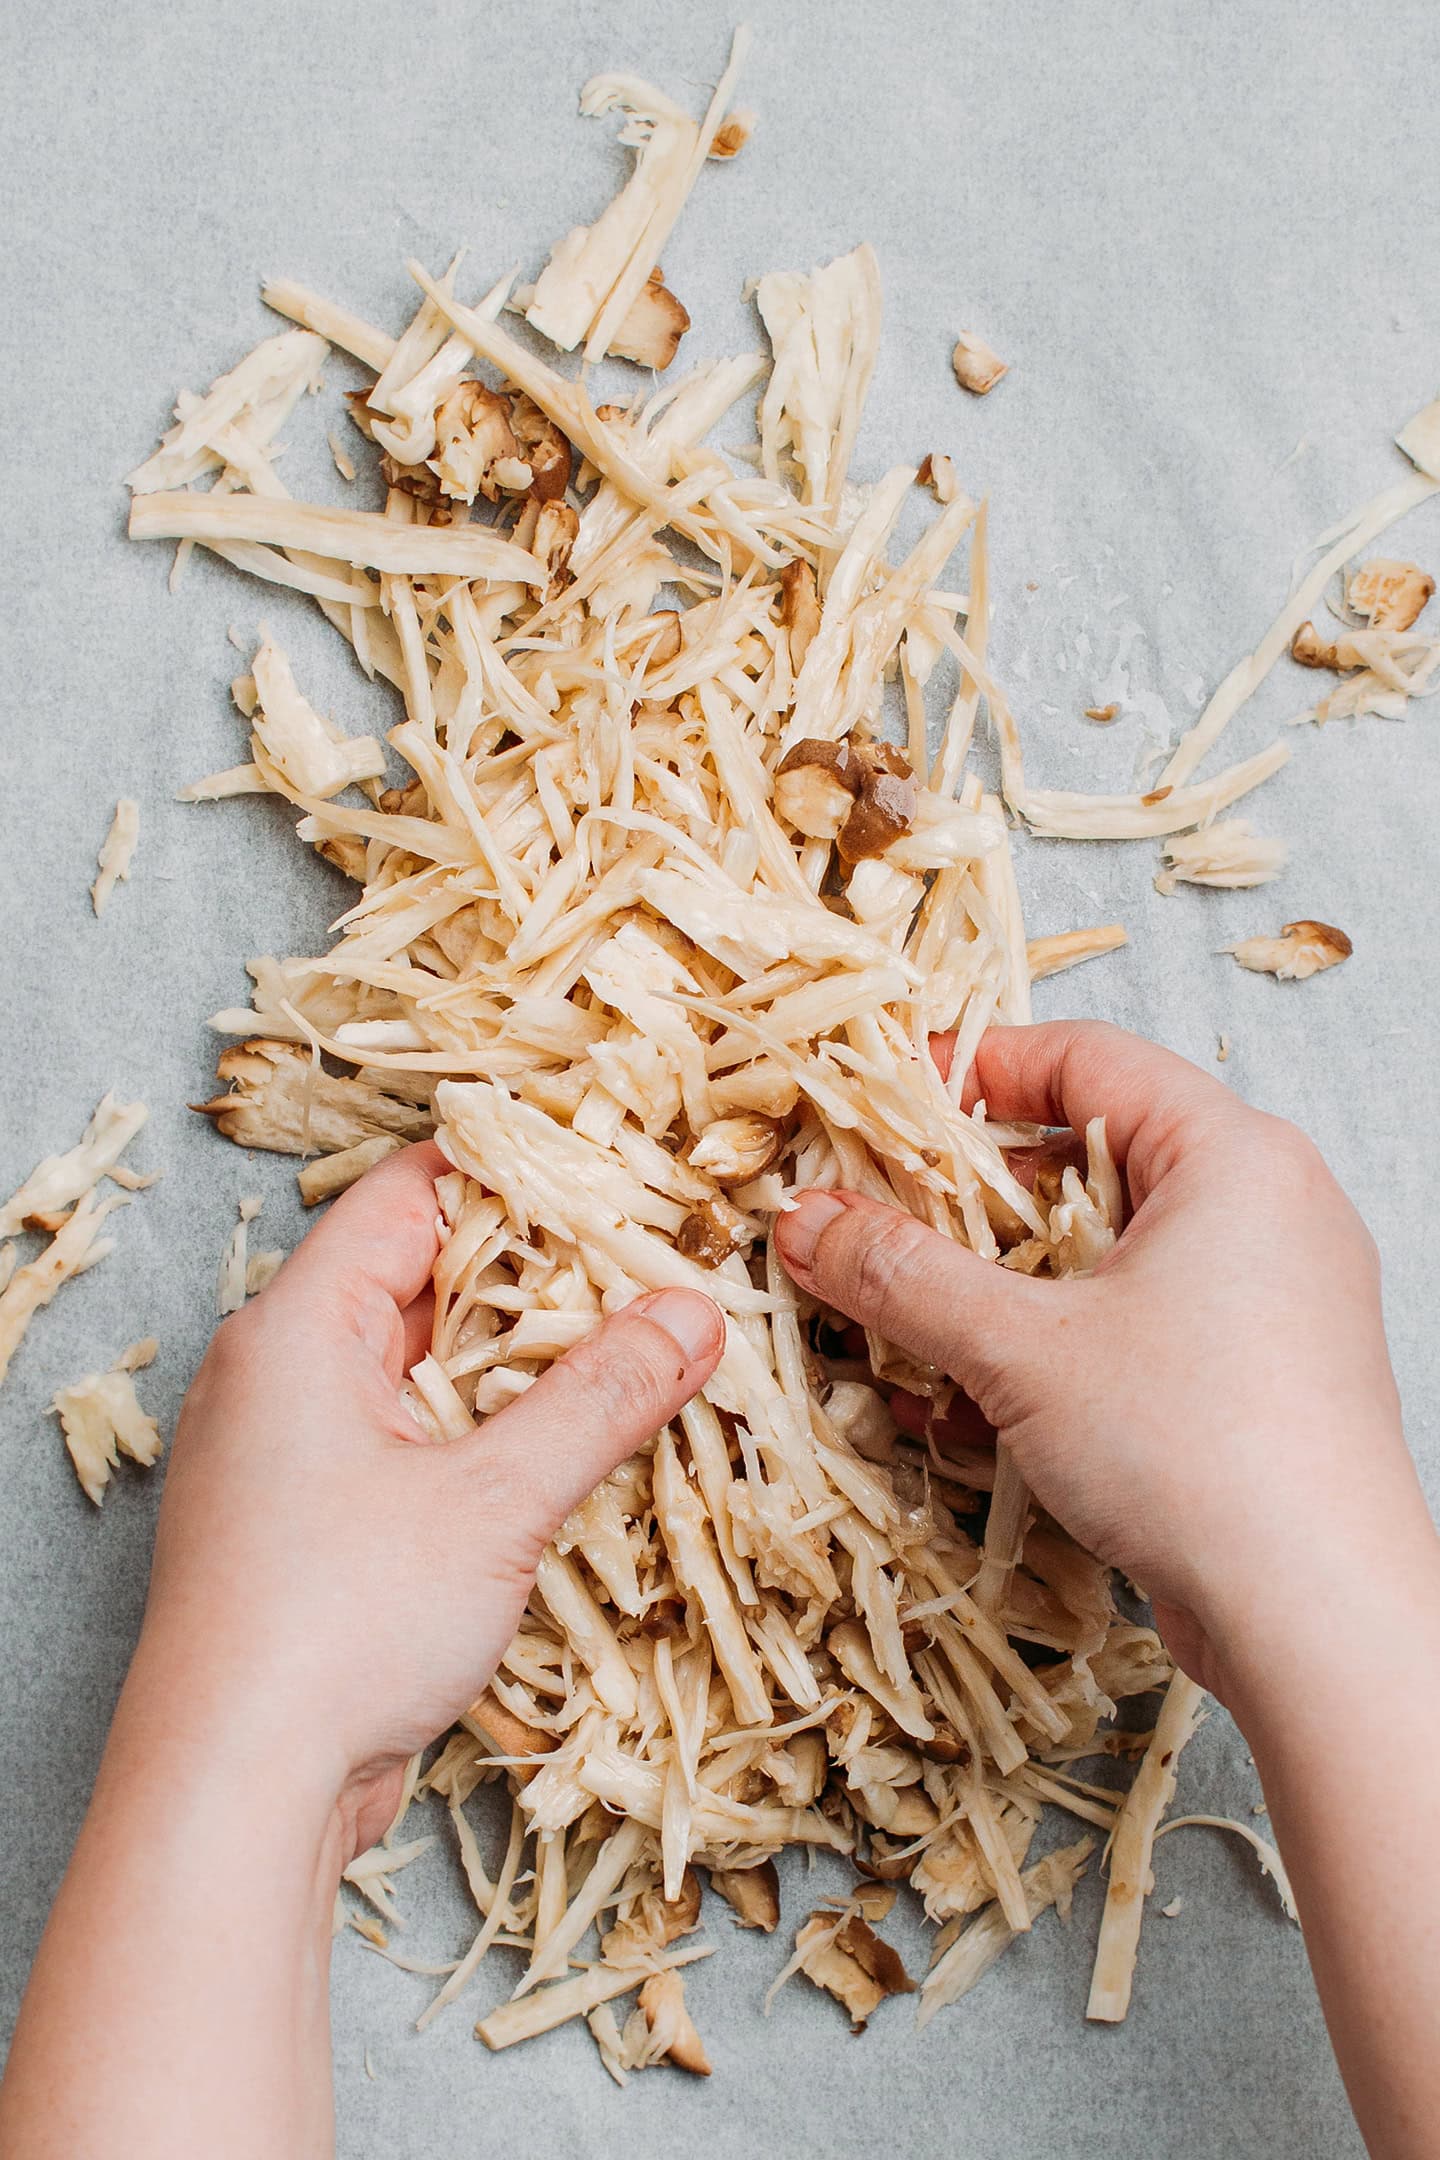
pixel 657 930
pixel 102 1420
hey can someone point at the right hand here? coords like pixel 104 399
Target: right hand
pixel 1212 1410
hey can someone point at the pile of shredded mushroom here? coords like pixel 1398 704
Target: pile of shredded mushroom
pixel 657 928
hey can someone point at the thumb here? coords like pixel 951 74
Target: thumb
pixel 940 1302
pixel 594 1407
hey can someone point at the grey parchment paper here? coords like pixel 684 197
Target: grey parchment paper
pixel 1204 238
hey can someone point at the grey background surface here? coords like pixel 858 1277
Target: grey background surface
pixel 1204 238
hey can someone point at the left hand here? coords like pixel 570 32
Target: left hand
pixel 325 1576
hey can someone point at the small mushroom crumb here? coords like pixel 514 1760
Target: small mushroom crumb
pixel 652 326
pixel 117 852
pixel 1302 949
pixel 977 368
pixel 1156 795
pixel 732 134
pixel 1222 1050
pixel 344 463
pixel 938 474
pixel 1102 713
pixel 1390 595
pixel 1173 1910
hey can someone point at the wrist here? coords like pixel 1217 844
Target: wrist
pixel 1320 1627
pixel 229 1751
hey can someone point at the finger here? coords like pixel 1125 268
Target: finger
pixel 1066 1072
pixel 418 1320
pixel 964 1424
pixel 371 1255
pixel 598 1403
pixel 946 1306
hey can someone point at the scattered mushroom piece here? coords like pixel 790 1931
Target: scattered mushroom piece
pixel 55 1184
pixel 74 1248
pixel 732 134
pixel 117 852
pixel 1102 713
pixel 672 2034
pixel 102 1420
pixel 1049 955
pixel 652 327
pixel 282 1100
pixel 753 1894
pixel 1390 595
pixel 1228 854
pixel 977 368
pixel 844 1955
pixel 937 472
pixel 1301 950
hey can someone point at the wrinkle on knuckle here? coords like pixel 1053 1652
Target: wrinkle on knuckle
pixel 878 1267
pixel 613 1382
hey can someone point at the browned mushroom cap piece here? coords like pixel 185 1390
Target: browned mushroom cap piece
pixel 1302 949
pixel 416 480
pixel 665 1620
pixel 884 809
pixel 735 1149
pixel 1390 595
pixel 1310 649
pixel 652 326
pixel 832 757
pixel 711 1232
pixel 732 134
pixel 542 446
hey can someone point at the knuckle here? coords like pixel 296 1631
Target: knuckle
pixel 620 1376
pixel 879 1267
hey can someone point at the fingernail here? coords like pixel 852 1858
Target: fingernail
pixel 802 1228
pixel 691 1321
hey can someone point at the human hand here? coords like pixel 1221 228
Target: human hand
pixel 1212 1410
pixel 319 1565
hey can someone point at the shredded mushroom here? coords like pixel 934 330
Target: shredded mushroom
pixel 656 930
